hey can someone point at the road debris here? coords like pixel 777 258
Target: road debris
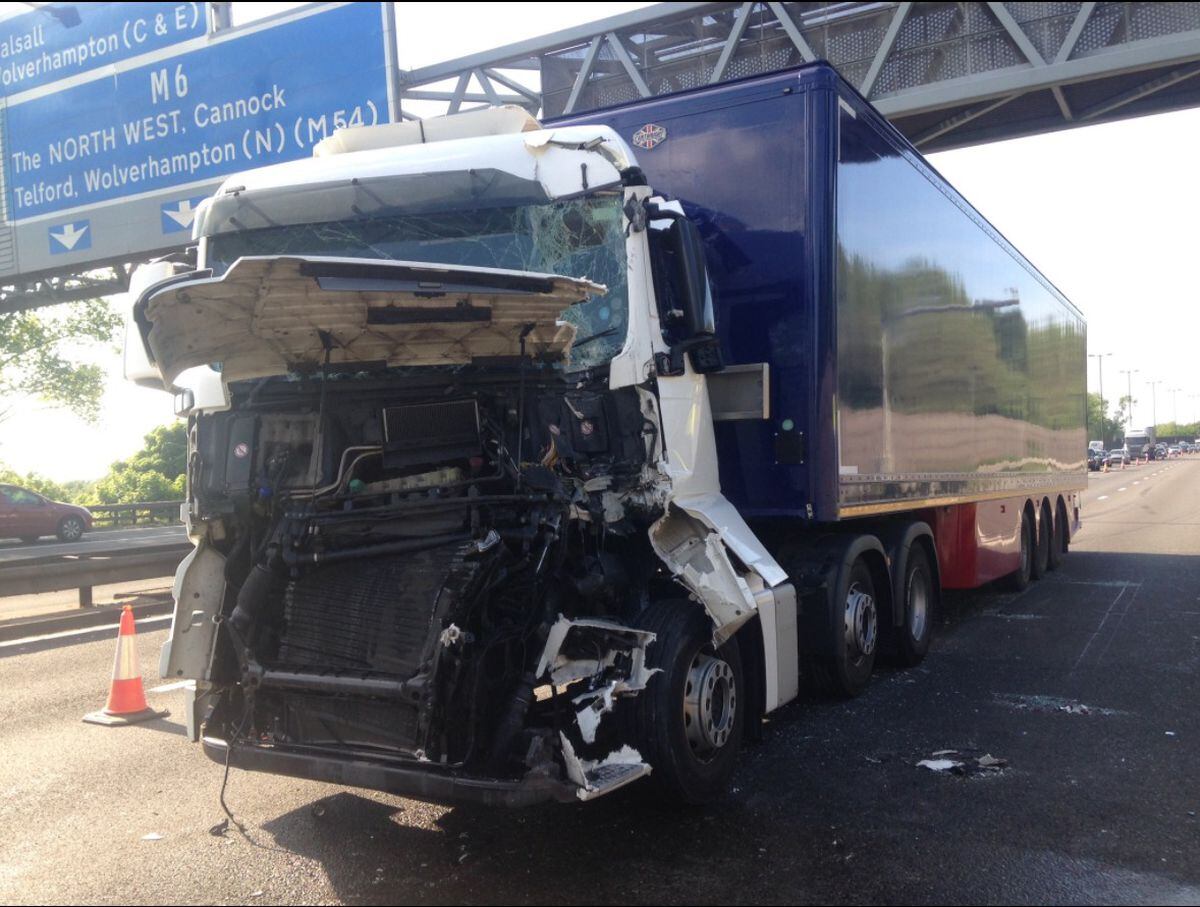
pixel 957 763
pixel 1038 703
pixel 940 765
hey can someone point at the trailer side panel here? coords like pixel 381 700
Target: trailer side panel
pixel 960 367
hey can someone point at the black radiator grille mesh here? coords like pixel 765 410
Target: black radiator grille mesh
pixel 371 615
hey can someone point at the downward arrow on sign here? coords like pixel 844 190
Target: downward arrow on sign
pixel 69 235
pixel 183 215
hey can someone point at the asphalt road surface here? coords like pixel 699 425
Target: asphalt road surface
pixel 97 540
pixel 1087 684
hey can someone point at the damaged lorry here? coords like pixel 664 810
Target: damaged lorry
pixel 527 461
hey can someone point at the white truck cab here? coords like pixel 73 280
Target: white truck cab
pixel 452 478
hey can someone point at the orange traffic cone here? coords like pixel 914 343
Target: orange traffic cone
pixel 126 698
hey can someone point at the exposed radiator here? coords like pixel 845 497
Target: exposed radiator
pixel 370 616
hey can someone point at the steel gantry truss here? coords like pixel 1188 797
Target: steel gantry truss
pixel 948 74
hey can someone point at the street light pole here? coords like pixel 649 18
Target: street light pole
pixel 1129 373
pixel 1099 357
pixel 1154 404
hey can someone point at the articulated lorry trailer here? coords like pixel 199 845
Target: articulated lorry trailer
pixel 527 461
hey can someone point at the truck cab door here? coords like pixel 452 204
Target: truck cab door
pixel 702 538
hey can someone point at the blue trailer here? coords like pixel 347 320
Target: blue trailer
pixel 915 356
pixel 528 461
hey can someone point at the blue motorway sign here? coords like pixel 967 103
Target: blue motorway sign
pixel 59 40
pixel 110 163
pixel 237 101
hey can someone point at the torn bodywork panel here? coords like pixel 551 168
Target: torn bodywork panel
pixel 593 777
pixel 610 659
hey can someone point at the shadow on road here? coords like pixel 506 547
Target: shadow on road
pixel 1095 803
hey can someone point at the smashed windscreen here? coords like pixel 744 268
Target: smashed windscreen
pixel 580 237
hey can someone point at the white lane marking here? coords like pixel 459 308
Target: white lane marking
pixel 1103 620
pixel 1120 489
pixel 1138 482
pixel 13 643
pixel 1117 583
pixel 1102 497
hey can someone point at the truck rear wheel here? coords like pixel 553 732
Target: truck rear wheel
pixel 920 596
pixel 846 670
pixel 1058 539
pixel 1018 581
pixel 687 723
pixel 1041 552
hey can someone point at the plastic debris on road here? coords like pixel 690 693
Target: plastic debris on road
pixel 939 765
pixel 957 763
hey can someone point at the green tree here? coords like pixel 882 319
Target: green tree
pixel 40 355
pixel 34 482
pixel 154 473
pixel 1104 427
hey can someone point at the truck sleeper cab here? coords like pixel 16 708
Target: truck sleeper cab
pixel 504 489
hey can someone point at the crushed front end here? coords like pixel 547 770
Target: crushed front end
pixel 407 608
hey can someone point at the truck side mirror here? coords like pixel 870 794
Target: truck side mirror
pixel 685 299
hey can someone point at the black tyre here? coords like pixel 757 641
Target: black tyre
pixel 1018 581
pixel 919 595
pixel 687 723
pixel 1058 540
pixel 70 529
pixel 846 670
pixel 1041 551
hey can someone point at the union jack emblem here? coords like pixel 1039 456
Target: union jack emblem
pixel 649 136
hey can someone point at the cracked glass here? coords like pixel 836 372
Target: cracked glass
pixel 581 237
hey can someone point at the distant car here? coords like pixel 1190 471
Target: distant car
pixel 27 515
pixel 1174 451
pixel 1118 457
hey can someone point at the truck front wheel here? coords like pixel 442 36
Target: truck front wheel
pixel 687 723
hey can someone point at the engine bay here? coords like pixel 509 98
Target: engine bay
pixel 438 571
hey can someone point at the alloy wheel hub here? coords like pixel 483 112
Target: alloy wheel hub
pixel 709 704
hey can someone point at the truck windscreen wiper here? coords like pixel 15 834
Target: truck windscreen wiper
pixel 607 332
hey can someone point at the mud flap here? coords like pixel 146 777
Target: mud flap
pixel 198 592
pixel 698 539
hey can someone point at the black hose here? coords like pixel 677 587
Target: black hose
pixel 408 546
pixel 423 504
pixel 250 599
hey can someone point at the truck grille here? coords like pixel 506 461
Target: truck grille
pixel 370 616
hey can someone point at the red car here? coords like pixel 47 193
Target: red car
pixel 27 515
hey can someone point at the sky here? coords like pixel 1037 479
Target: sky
pixel 1109 213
